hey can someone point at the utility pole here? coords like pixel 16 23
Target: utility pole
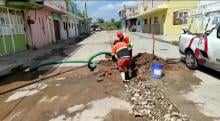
pixel 125 17
pixel 152 3
pixel 86 16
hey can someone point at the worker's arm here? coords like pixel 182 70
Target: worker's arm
pixel 113 50
pixel 114 57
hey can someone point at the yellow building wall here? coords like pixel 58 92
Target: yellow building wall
pixel 173 6
pixel 158 14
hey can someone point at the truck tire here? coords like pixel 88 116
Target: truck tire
pixel 191 61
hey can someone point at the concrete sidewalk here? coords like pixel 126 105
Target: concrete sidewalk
pixel 9 63
pixel 166 38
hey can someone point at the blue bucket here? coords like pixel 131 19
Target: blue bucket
pixel 156 70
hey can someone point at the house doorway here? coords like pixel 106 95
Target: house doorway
pixel 57 30
pixel 51 31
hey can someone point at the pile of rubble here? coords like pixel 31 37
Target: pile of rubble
pixel 148 101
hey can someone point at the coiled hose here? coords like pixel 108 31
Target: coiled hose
pixel 91 64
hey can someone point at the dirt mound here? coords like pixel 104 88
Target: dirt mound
pixel 106 69
pixel 107 63
pixel 146 59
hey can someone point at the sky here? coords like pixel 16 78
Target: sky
pixel 106 9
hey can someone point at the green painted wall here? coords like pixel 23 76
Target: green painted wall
pixel 56 16
pixel 1 46
pixel 9 44
pixel 20 43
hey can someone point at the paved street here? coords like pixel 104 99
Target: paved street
pixel 101 42
pixel 81 98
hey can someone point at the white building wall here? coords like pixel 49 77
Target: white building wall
pixel 208 14
pixel 71 29
pixel 77 29
pixel 62 25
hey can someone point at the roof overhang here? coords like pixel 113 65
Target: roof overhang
pixel 54 9
pixel 4 7
pixel 72 15
pixel 155 10
pixel 133 17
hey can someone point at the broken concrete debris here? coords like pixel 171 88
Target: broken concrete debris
pixel 146 99
pixel 149 102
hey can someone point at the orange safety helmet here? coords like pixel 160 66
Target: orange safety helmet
pixel 126 40
pixel 119 34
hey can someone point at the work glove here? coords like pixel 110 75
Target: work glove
pixel 114 59
pixel 131 45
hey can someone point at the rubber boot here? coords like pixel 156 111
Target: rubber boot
pixel 130 73
pixel 123 76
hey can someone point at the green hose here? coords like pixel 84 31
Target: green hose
pixel 90 63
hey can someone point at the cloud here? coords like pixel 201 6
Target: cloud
pixel 106 9
pixel 117 6
pixel 129 3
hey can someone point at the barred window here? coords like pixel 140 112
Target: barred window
pixel 156 20
pixel 180 17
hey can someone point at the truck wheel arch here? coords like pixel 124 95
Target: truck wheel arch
pixel 188 49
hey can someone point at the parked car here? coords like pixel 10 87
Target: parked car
pixel 98 29
pixel 201 49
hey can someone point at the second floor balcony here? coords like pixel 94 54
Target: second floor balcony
pixel 25 4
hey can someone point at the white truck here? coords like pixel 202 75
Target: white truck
pixel 201 49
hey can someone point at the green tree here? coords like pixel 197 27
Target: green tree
pixel 113 20
pixel 117 24
pixel 100 20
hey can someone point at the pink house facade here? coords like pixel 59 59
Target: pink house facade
pixel 44 26
pixel 37 29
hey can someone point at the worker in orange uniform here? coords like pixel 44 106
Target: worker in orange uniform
pixel 121 52
pixel 126 40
